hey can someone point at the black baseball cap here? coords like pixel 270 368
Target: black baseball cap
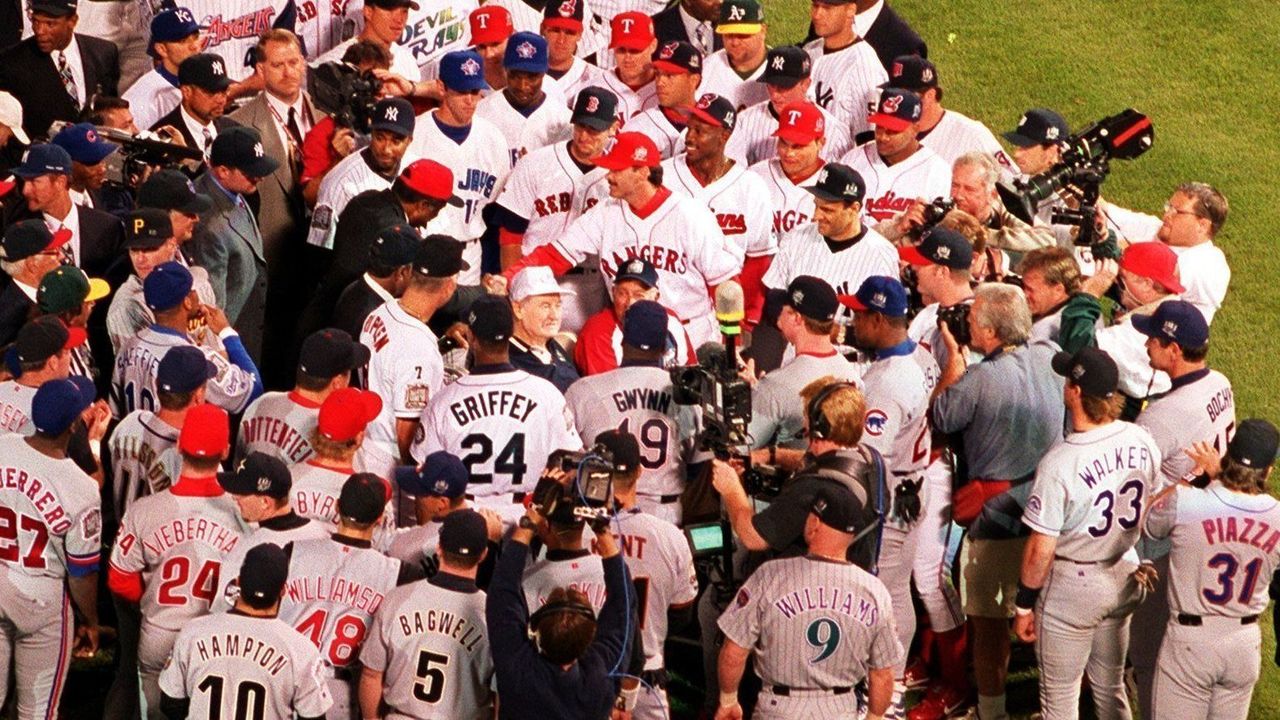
pixel 644 326
pixel 147 228
pixel 911 72
pixel 1254 444
pixel 813 298
pixel 464 532
pixel 258 474
pixel 1175 321
pixel 717 110
pixel 262 575
pixel 679 58
pixel 206 71
pixel 45 336
pixel 595 107
pixel 490 318
pixel 1090 369
pixel 838 182
pixel 939 246
pixel 396 245
pixel 331 352
pixel 786 66
pixel 43 159
pixel 838 508
pixel 183 369
pixel 56 8
pixel 171 190
pixel 439 256
pixel 363 497
pixel 640 270
pixel 1038 126
pixel 241 148
pixel 394 114
pixel 624 448
pixel 30 237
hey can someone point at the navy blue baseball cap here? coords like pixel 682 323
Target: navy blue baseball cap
pixel 441 474
pixel 58 403
pixel 363 497
pixel 813 298
pixel 838 508
pixel 640 270
pixel 393 114
pixel 83 144
pixel 44 159
pixel 207 71
pixel 258 474
pixel 241 148
pixel 395 246
pixel 786 66
pixel 30 237
pixel 173 25
pixel 262 575
pixel 644 327
pixel 166 286
pixel 911 72
pixel 595 107
pixel 1254 444
pixel 490 318
pixel 526 52
pixel 716 110
pixel 171 190
pixel 623 447
pixel 183 369
pixel 1175 321
pixel 462 71
pixel 56 8
pixel 940 246
pixel 464 532
pixel 836 183
pixel 1038 126
pixel 897 110
pixel 880 294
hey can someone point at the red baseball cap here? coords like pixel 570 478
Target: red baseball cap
pixel 631 30
pixel 206 432
pixel 629 150
pixel 430 178
pixel 346 413
pixel 1153 260
pixel 490 24
pixel 800 123
pixel 8 184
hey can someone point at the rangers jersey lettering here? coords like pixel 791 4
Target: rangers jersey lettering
pixel 736 200
pixel 891 189
pixel 753 142
pixel 52 509
pixel 847 82
pixel 550 190
pixel 792 204
pixel 279 424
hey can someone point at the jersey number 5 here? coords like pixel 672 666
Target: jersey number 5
pixel 429 685
pixel 510 460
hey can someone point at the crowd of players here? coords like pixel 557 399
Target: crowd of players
pixel 295 395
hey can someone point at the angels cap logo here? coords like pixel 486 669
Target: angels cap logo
pixel 392 113
pixel 257 149
pixel 470 67
pixel 736 12
pixel 779 62
pixel 264 483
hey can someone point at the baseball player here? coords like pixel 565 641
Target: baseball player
pixel 799 139
pixel 247 663
pixel 503 423
pixel 786 79
pixel 420 666
pixel 491 26
pixel 386 22
pixel 526 114
pixel 232 31
pixel 43 352
pixel 599 346
pixel 438 487
pixel 643 219
pixel 175 36
pixel 847 74
pixel 337 583
pixel 323 26
pixel 28 251
pixel 810 655
pixel 633 44
pixel 1078 587
pixel 897 169
pixel 562 26
pixel 678 72
pixel 735 72
pixel 52 512
pixel 1223 540
pixel 170 547
pixel 281 423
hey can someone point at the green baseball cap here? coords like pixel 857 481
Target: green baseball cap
pixel 66 288
pixel 740 17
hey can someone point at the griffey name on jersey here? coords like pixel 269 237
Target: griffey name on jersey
pixel 318 588
pixel 493 402
pixel 235 645
pixel 1122 458
pixel 1244 530
pixel 443 623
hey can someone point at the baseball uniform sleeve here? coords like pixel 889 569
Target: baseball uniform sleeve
pixel 684 578
pixel 430 438
pixel 311 698
pixel 374 653
pixel 764 241
pixel 566 434
pixel 126 554
pixel 233 387
pixel 173 678
pixel 1047 507
pixel 83 542
pixel 740 622
pixel 519 193
pixel 779 273
pixel 886 649
pixel 412 387
pixel 582 237
pixel 766 412
pixel 1162 516
pixel 324 220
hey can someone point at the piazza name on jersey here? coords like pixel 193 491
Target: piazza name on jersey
pixel 442 623
pixel 55 517
pixel 184 530
pixel 834 599
pixel 1243 530
pixel 1134 457
pixel 491 403
pixel 278 433
pixel 233 645
pixel 334 589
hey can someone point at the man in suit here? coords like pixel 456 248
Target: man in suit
pixel 27 252
pixel 886 32
pixel 203 81
pixel 390 267
pixel 55 72
pixel 227 242
pixel 89 154
pixel 96 236
pixel 691 21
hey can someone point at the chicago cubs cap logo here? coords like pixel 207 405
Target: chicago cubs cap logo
pixel 470 67
pixel 526 50
pixel 876 421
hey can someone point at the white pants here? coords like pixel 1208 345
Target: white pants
pixel 36 635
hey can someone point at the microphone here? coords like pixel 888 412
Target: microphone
pixel 730 307
pixel 710 353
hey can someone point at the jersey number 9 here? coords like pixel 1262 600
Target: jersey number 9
pixel 823 633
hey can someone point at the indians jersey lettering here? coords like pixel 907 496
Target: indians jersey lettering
pixel 753 141
pixel 143 459
pixel 847 82
pixel 1199 409
pixel 737 199
pixel 891 189
pixel 52 513
pixel 279 424
pixel 133 384
pixel 547 188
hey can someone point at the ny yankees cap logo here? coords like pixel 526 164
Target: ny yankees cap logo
pixel 778 63
pixel 470 67
pixel 264 483
pixel 216 68
pixel 728 118
pixel 822 177
pixel 526 50
pixel 257 149
pixel 797 296
pixel 392 113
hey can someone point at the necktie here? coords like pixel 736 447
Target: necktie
pixel 68 80
pixel 66 256
pixel 292 127
pixel 701 35
pixel 208 143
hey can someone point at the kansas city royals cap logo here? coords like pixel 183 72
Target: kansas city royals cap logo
pixel 470 67
pixel 184 15
pixel 526 50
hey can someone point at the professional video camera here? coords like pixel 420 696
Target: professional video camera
pixel 1086 161
pixel 136 152
pixel 346 93
pixel 589 493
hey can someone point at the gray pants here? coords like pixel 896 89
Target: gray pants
pixel 1207 672
pixel 1146 633
pixel 897 558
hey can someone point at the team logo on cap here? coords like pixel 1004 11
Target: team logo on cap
pixel 1051 133
pixel 641 154
pixel 257 149
pixel 216 68
pixel 482 19
pixel 1077 372
pixel 593 103
pixel 470 67
pixel 184 15
pixel 705 101
pixel 91 136
pixel 779 62
pixel 891 103
pixel 392 113
pixel 927 75
pixel 1170 328
pixel 943 252
pixel 568 7
pixel 897 70
pixel 441 487
pixel 635 267
pixel 879 300
pixel 876 422
pixel 728 118
pixel 264 483
pixel 822 176
pixel 626 25
pixel 793 117
pixel 797 296
pixel 736 12
pixel 526 50
pixel 668 51
pixel 1022 121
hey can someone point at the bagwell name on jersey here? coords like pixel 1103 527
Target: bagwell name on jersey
pixel 176 532
pixel 1132 457
pixel 846 602
pixel 55 518
pixel 1243 530
pixel 232 645
pixel 444 623
pixel 278 433
pixel 333 589
pixel 494 402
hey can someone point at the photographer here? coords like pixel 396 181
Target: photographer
pixel 1050 278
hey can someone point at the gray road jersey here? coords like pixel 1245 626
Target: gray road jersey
pixel 279 424
pixel 777 412
pixel 144 459
pixel 1202 410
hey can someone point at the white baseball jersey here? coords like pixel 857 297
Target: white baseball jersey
pixel 897 387
pixel 350 177
pixel 1090 489
pixel 777 412
pixel 326 24
pixel 575 569
pixel 753 141
pixel 129 313
pixel 405 369
pixel 133 384
pixel 229 578
pixel 143 458
pixel 547 124
pixel 804 251
pixel 279 424
pixel 661 567
pixel 581 74
pixel 315 494
pixel 847 82
pixel 550 190
pixel 1128 348
pixel 654 124
pixel 737 199
pixel 631 102
pixel 680 238
pixel 813 623
pixel 232 29
pixel 957 134
pixel 177 540
pixel 430 642
pixel 1200 408
pixel 719 77
pixel 437 27
pixel 792 204
pixel 892 188
pixel 15 407
pixel 151 97
pixel 238 666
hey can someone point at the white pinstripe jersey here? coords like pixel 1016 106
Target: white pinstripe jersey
pixel 581 74
pixel 892 188
pixel 847 82
pixel 792 204
pixel 144 458
pixel 15 407
pixel 578 569
pixel 660 564
pixel 547 188
pixel 813 623
pixel 350 177
pixel 897 388
pixel 405 369
pixel 129 313
pixel 1196 410
pixel 957 134
pixel 315 495
pixel 654 124
pixel 719 77
pixel 753 142
pixel 630 102
pixel 548 124
pixel 278 424
pixel 133 384
pixel 804 252
pixel 737 199
pixel 323 26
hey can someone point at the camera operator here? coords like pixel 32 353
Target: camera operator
pixel 327 142
pixel 1050 278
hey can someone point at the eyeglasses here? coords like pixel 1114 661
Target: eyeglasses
pixel 1170 209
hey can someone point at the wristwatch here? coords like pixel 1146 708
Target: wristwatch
pixel 526 524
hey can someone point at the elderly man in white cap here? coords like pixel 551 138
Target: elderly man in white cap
pixel 10 130
pixel 535 301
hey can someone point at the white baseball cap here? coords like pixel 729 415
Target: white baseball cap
pixel 535 280
pixel 11 115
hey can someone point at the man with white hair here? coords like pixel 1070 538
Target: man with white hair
pixel 535 302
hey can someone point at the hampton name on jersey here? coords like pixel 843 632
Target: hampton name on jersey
pixel 753 141
pixel 142 459
pixel 547 124
pixel 957 134
pixel 1200 408
pixel 792 204
pixel 278 424
pixel 719 77
pixel 550 190
pixel 892 188
pixel 847 82
pixel 133 385
pixel 350 177
pixel 405 369
pixel 898 386
pixel 805 252
pixel 737 199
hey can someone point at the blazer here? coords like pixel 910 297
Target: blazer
pixel 668 27
pixel 15 309
pixel 101 238
pixel 32 78
pixel 174 118
pixel 891 36
pixel 354 306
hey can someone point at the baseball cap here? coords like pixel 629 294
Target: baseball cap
pixel 786 66
pixel 392 4
pixel 565 14
pixel 395 115
pixel 147 228
pixel 206 71
pixel 880 294
pixel 740 17
pixel 463 70
pixel 1175 321
pixel 396 245
pixel 631 30
pixel 1153 260
pixel 30 237
pixel 346 413
pixel 623 447
pixel 439 256
pixel 644 326
pixel 800 123
pixel 629 150
pixel 1090 369
pixel 595 107
pixel 83 144
pixel 640 270
pixel 490 24
pixel 464 532
pixel 897 110
pixel 490 318
pixel 716 110
pixel 58 403
pixel 172 25
pixel 813 298
pixel 166 286
pixel 837 182
pixel 526 52
pixel 56 8
pixel 363 497
pixel 535 280
pixel 66 288
pixel 45 336
pixel 206 432
pixel 939 246
pixel 1254 444
pixel 241 148
pixel 183 369
pixel 11 116
pixel 911 72
pixel 258 474
pixel 1038 127
pixel 171 190
pixel 441 474
pixel 838 508
pixel 331 352
pixel 262 575
pixel 430 179
pixel 43 159
pixel 678 58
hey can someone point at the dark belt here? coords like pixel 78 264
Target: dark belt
pixel 1196 621
pixel 785 690
pixel 515 497
pixel 665 499
pixel 1111 561
pixel 345 674
pixel 655 678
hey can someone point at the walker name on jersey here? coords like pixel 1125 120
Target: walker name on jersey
pixel 184 530
pixel 308 10
pixel 278 433
pixel 249 25
pixel 334 589
pixel 788 220
pixel 507 403
pixel 839 600
pixel 232 645
pixel 433 32
pixel 1243 530
pixel 133 448
pixel 55 518
pixel 559 203
pixel 659 257
pixel 442 623
pixel 1134 457
pixel 887 205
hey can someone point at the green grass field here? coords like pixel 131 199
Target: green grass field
pixel 1193 69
